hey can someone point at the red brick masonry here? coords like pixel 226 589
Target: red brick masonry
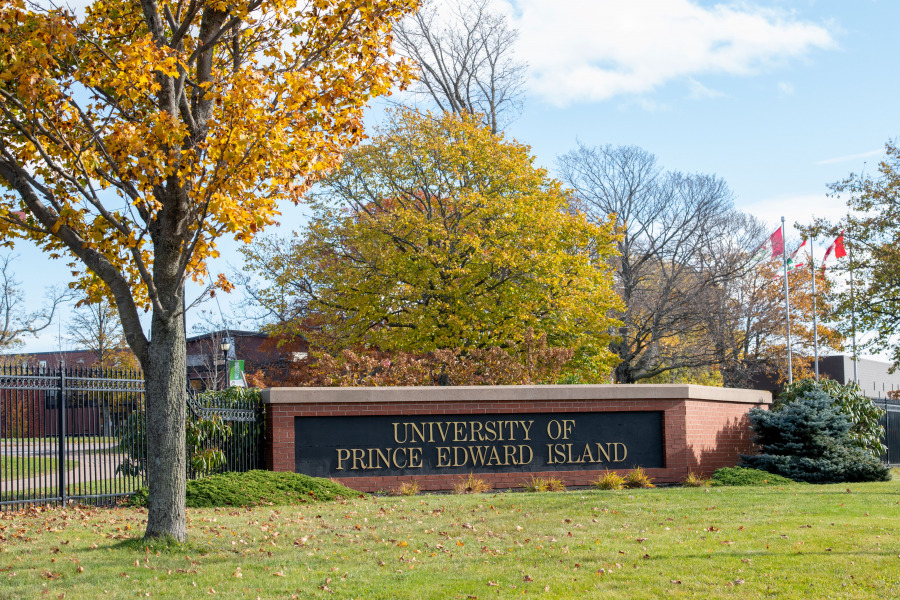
pixel 704 427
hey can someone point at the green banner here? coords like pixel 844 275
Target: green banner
pixel 236 374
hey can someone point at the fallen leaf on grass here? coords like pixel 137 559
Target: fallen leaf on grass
pixel 528 578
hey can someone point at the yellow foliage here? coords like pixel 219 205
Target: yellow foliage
pixel 438 235
pixel 127 136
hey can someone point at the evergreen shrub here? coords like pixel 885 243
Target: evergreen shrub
pixel 866 431
pixel 808 439
pixel 255 488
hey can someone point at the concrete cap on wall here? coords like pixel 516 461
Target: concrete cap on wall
pixel 513 393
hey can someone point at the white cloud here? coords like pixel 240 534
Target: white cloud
pixel 849 157
pixel 786 88
pixel 803 209
pixel 592 50
pixel 700 91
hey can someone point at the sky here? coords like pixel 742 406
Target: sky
pixel 777 97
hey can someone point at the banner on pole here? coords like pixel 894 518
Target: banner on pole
pixel 236 374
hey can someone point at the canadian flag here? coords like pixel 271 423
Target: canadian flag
pixel 770 248
pixel 837 247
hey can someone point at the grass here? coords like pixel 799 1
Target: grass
pixel 12 467
pixel 790 541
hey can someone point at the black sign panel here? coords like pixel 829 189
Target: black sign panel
pixel 450 444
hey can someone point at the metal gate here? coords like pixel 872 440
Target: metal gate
pixel 891 423
pixel 78 434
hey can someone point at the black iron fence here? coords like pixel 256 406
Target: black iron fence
pixel 891 423
pixel 78 434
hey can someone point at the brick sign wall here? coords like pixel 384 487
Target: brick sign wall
pixel 376 438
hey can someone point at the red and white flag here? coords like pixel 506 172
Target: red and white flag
pixel 770 248
pixel 837 247
pixel 792 262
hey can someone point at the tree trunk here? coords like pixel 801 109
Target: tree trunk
pixel 165 378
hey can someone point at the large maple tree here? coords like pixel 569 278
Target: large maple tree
pixel 135 135
pixel 438 234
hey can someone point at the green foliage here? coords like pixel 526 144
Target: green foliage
pixel 743 476
pixel 201 433
pixel 872 230
pixel 544 484
pixel 255 488
pixel 203 436
pixel 808 440
pixel 610 480
pixel 637 478
pixel 865 431
pixel 694 480
pixel 439 235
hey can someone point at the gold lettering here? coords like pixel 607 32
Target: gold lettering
pixel 494 461
pixel 527 429
pixel 568 426
pixel 600 451
pixel 417 429
pixel 509 453
pixel 550 454
pixel 380 456
pixel 476 431
pixel 342 457
pixel 586 456
pixel 624 451
pixel 443 431
pixel 415 458
pixel 490 433
pixel 456 451
pixel 478 454
pixel 572 461
pixel 359 456
pixel 522 450
pixel 560 450
pixel 459 429
pixel 396 437
pixel 551 426
pixel 397 462
pixel 443 456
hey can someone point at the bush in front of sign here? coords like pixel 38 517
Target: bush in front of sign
pixel 544 484
pixel 471 485
pixel 407 488
pixel 637 478
pixel 610 480
pixel 809 439
pixel 694 480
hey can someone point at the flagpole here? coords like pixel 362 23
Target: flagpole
pixel 787 305
pixel 812 270
pixel 853 312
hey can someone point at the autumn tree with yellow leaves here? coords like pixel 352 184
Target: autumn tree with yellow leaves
pixel 438 235
pixel 134 136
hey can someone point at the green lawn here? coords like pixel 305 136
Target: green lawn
pixel 32 466
pixel 795 541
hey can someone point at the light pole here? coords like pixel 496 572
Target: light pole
pixel 226 346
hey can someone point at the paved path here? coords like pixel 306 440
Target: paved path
pixel 91 467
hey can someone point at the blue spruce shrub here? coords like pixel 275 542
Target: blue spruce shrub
pixel 808 439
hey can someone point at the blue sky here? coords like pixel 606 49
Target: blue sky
pixel 777 97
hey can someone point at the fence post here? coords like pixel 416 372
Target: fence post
pixel 61 424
